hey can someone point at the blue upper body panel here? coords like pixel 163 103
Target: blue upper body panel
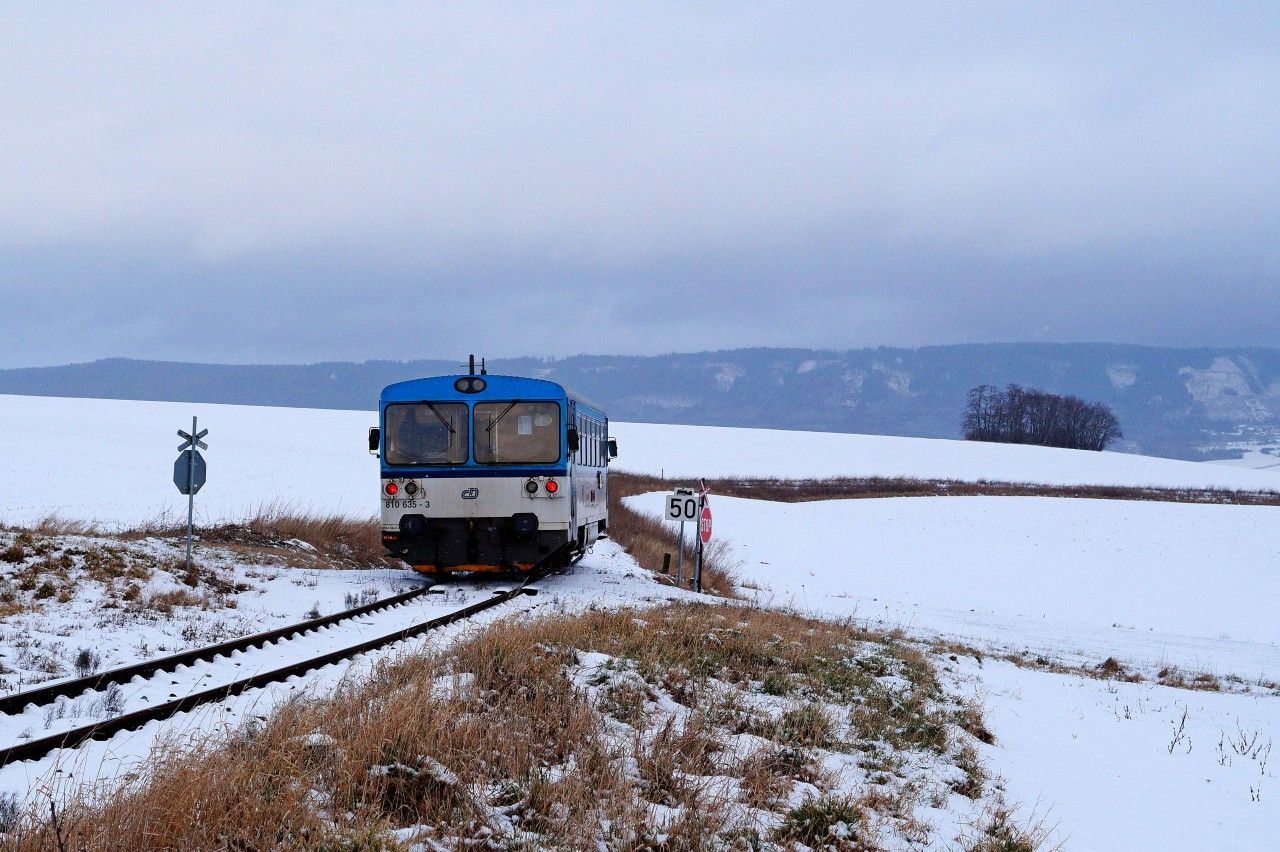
pixel 441 389
pixel 496 389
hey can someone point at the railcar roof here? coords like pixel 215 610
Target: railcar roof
pixel 437 388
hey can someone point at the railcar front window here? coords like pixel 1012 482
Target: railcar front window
pixel 427 433
pixel 517 432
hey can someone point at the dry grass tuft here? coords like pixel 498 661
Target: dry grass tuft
pixel 1176 677
pixel 280 531
pixel 55 525
pixel 999 830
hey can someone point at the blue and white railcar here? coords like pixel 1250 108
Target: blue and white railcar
pixel 490 473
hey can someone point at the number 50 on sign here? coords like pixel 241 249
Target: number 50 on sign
pixel 682 507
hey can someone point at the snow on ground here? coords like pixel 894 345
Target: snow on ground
pixel 606 577
pixel 1155 583
pixel 689 451
pixel 1253 456
pixel 140 607
pixel 112 460
pixel 1077 581
pixel 1116 765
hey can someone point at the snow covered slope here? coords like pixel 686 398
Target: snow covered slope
pixel 684 451
pixel 112 460
pixel 1153 583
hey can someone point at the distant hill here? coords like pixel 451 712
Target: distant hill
pixel 1183 403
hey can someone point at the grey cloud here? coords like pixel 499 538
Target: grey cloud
pixel 348 182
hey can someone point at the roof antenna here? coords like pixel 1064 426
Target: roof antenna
pixel 471 366
pixel 483 371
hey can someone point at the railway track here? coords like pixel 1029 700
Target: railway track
pixel 104 729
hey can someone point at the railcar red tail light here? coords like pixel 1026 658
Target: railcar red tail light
pixel 392 489
pixel 552 486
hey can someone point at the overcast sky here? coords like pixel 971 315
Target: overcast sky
pixel 225 182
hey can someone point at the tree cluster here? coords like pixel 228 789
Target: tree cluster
pixel 1018 415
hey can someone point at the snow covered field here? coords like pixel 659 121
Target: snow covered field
pixel 1254 457
pixel 1132 766
pixel 686 451
pixel 1155 583
pixel 1077 581
pixel 112 460
pixel 1072 581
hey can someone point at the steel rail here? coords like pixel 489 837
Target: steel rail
pixel 35 749
pixel 18 702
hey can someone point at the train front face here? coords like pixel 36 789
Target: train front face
pixel 474 473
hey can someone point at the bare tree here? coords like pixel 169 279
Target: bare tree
pixel 1019 415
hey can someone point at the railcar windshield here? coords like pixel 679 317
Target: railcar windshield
pixel 517 432
pixel 427 433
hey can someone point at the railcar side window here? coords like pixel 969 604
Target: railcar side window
pixel 517 432
pixel 427 433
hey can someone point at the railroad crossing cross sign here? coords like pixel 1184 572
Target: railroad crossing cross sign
pixel 189 439
pixel 188 472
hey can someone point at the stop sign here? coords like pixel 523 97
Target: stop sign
pixel 704 525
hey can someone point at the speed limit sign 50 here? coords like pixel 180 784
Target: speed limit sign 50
pixel 682 507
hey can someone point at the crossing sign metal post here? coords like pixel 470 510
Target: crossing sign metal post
pixel 704 531
pixel 681 506
pixel 189 473
pixel 684 506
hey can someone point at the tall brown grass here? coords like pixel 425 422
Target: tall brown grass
pixel 273 529
pixel 647 538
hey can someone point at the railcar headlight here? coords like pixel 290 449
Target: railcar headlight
pixel 470 384
pixel 552 486
pixel 531 487
pixel 411 488
pixel 391 488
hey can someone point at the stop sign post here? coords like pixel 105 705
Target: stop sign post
pixel 704 532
